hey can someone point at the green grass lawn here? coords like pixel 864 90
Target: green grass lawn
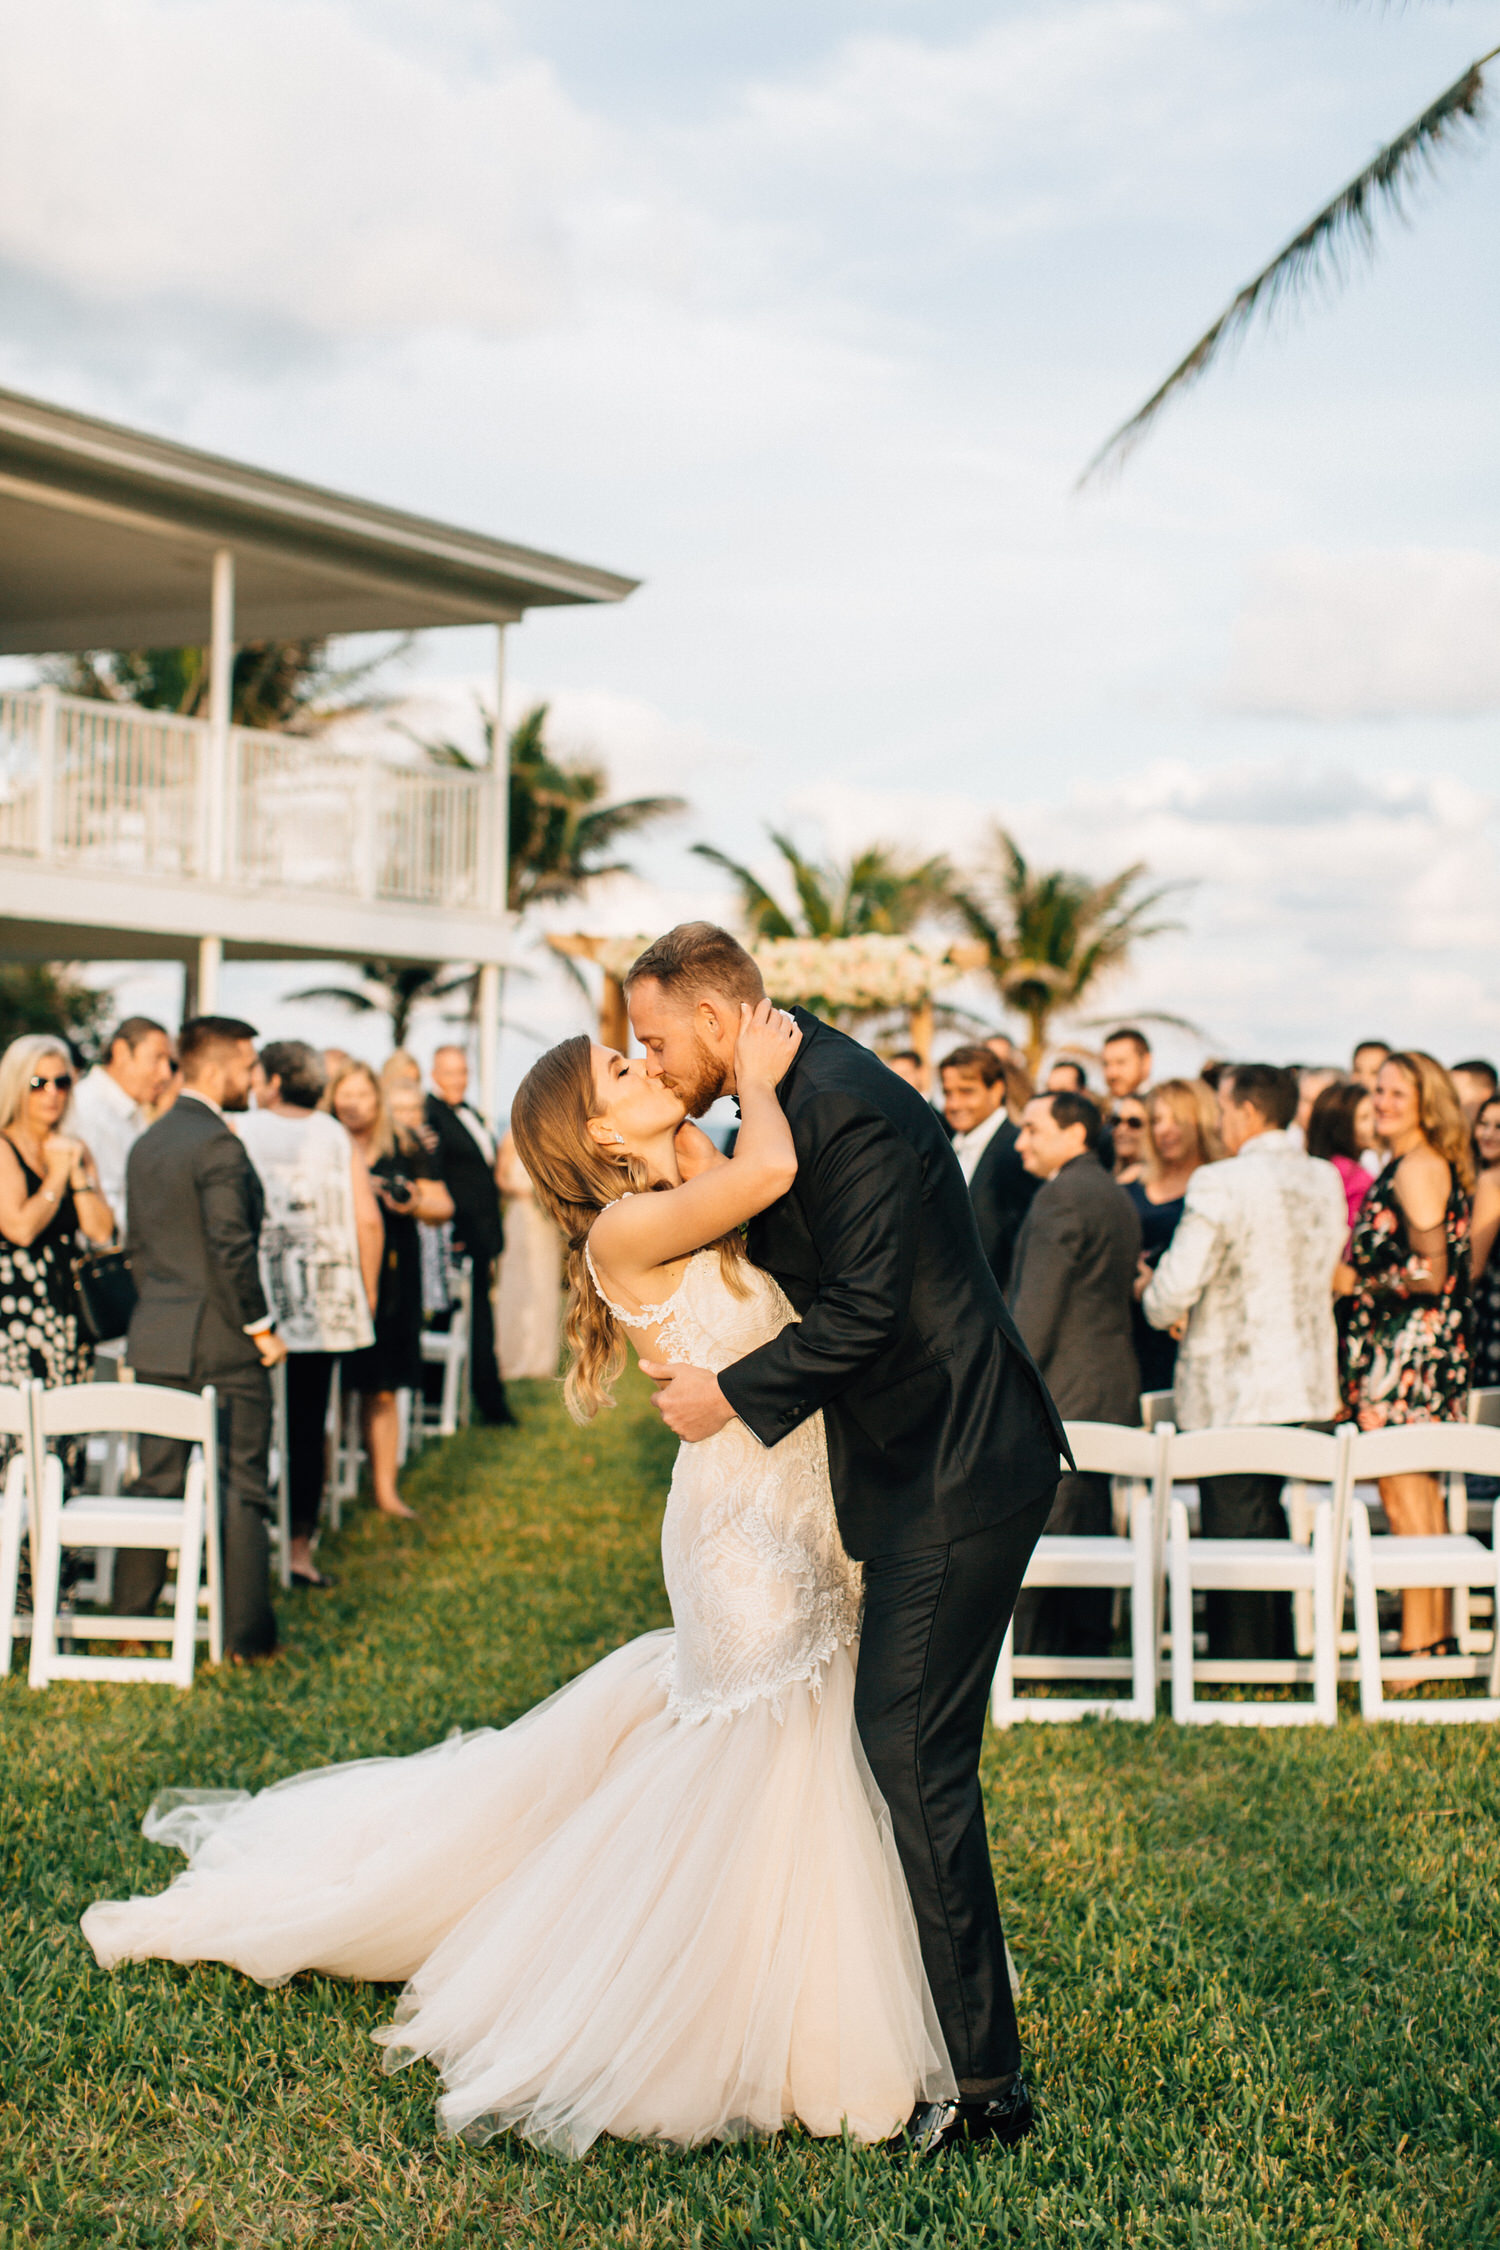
pixel 1260 1970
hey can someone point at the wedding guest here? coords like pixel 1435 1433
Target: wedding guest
pixel 1127 1063
pixel 1341 1130
pixel 1484 1260
pixel 1127 1127
pixel 115 1101
pixel 975 1083
pixel 401 1172
pixel 467 1150
pixel 908 1064
pixel 1067 1077
pixel 1475 1083
pixel 530 1291
pixel 201 1317
pixel 1487 1136
pixel 1004 1047
pixel 400 1068
pixel 1070 1297
pixel 320 1247
pixel 1249 1269
pixel 1182 1132
pixel 1406 1351
pixel 1366 1061
pixel 1310 1084
pixel 49 1196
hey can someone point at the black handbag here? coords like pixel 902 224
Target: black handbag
pixel 106 1293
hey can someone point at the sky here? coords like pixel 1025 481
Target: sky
pixel 810 317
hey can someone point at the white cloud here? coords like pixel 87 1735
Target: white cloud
pixel 1318 901
pixel 1373 634
pixel 296 162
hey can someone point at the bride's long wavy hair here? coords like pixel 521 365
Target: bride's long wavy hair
pixel 574 1179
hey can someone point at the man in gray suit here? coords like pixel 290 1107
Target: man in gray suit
pixel 1070 1296
pixel 201 1317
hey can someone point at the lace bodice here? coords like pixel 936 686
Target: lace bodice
pixel 762 1591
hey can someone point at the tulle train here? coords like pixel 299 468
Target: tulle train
pixel 611 1919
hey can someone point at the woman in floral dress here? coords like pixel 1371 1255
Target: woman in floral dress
pixel 1406 1348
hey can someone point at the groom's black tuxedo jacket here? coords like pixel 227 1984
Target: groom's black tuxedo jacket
pixel 938 1422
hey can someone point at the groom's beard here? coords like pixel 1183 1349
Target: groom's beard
pixel 699 1088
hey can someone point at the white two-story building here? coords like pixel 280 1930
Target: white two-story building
pixel 134 834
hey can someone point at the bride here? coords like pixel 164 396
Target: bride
pixel 665 1903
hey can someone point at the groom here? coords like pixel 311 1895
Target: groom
pixel 943 1449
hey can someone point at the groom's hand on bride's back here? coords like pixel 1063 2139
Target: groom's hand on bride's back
pixel 689 1399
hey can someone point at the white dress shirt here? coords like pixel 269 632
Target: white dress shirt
pixel 109 1123
pixel 969 1147
pixel 477 1130
pixel 1250 1269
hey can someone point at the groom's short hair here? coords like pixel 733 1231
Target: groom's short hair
pixel 699 957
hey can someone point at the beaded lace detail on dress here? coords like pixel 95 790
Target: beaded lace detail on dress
pixel 762 1591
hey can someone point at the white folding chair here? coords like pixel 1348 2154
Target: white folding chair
pixel 1157 1407
pixel 1303 1457
pixel 342 1431
pixel 189 1525
pixel 1388 1562
pixel 17 1511
pixel 281 1480
pixel 447 1348
pixel 1136 1460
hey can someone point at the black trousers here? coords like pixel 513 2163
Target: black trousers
pixel 309 1379
pixel 933 1625
pixel 1070 1620
pixel 244 1502
pixel 1245 1624
pixel 485 1382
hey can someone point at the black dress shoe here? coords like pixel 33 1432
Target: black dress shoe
pixel 313 1579
pixel 935 2126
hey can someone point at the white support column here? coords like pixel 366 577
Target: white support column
pixel 497 859
pixel 489 1038
pixel 220 705
pixel 210 961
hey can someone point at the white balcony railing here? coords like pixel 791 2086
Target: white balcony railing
pixel 106 786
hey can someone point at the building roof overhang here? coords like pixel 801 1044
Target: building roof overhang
pixel 106 538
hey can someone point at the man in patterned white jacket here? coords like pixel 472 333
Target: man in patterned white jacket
pixel 1250 1270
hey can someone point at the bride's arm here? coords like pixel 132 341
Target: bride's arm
pixel 647 1231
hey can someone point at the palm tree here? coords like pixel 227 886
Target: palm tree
pixel 562 827
pixel 1051 936
pixel 394 989
pixel 877 892
pixel 1321 253
pixel 288 686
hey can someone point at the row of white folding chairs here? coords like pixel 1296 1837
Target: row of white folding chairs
pixel 35 1509
pixel 1160 1567
pixel 419 1418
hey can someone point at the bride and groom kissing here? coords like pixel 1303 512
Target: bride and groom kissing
pixel 728 1877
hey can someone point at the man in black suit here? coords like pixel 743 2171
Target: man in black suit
pixel 984 1141
pixel 943 1450
pixel 201 1317
pixel 1071 1294
pixel 467 1150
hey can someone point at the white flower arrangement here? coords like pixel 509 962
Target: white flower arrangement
pixel 850 975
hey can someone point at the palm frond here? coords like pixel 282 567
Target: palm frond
pixel 1323 250
pixel 597 830
pixel 340 996
pixel 768 917
pixel 819 910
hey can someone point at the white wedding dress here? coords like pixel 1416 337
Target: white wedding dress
pixel 665 1903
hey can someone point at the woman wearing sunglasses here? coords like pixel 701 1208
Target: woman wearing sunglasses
pixel 49 1195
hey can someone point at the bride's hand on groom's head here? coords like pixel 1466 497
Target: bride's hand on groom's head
pixel 768 1039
